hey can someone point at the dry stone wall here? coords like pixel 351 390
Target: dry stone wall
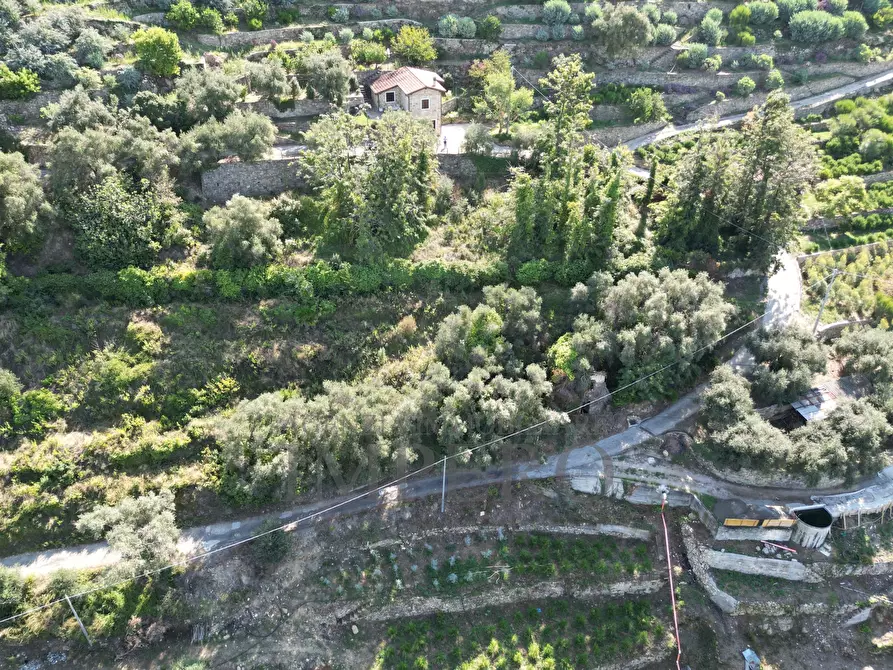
pixel 261 178
pixel 27 111
pixel 615 135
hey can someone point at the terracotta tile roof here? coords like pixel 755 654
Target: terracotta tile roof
pixel 409 80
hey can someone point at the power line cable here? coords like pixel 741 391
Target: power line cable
pixel 292 525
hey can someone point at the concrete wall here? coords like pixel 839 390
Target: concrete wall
pixel 791 570
pixel 734 534
pixel 251 179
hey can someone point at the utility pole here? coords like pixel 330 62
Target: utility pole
pixel 443 488
pixel 80 623
pixel 828 286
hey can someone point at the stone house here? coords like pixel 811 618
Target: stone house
pixel 411 89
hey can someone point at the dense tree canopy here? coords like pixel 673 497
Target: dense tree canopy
pixel 381 198
pixel 21 200
pixel 787 360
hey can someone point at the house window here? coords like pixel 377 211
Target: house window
pixel 390 96
pixel 426 103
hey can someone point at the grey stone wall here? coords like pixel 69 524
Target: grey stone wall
pixel 20 112
pixel 250 179
pixel 618 134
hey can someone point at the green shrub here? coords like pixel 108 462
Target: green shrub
pixel 669 17
pixel 556 12
pixel 118 225
pixel 490 28
pixel 242 234
pixel 844 107
pixel 854 25
pixel 366 53
pixel 664 35
pixel 158 50
pixel 211 20
pixel 339 14
pixel 533 273
pixel 693 57
pixel 746 39
pixel 467 28
pixel 787 8
pixel 837 7
pixel 17 85
pixel 739 18
pixel 763 12
pixel 255 12
pixel 345 35
pixel 542 34
pixel 814 27
pixel 183 15
pixel 883 17
pixel 271 548
pixel 652 11
pixel 712 63
pixel 714 14
pixel 745 86
pixel 710 32
pixel 12 592
pixel 33 411
pixel 774 80
pixel 448 26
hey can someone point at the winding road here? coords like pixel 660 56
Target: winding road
pixel 783 301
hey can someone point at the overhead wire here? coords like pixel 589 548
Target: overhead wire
pixel 292 525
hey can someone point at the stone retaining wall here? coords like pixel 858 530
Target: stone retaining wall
pixel 619 134
pixel 501 597
pixel 27 111
pixel 258 37
pixel 834 330
pixel 736 105
pixel 260 178
pixel 271 177
pixel 724 601
pixel 297 108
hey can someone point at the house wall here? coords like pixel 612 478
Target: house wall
pixel 412 103
pixel 399 99
pixel 433 111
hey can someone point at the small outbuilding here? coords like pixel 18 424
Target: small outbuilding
pixel 419 92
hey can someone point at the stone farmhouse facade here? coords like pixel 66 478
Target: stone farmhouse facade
pixel 419 92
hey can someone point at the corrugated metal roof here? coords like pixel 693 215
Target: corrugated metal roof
pixel 409 80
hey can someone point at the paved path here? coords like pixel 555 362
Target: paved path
pixel 783 292
pixel 585 461
pixel 812 102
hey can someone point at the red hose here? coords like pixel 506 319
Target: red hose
pixel 672 588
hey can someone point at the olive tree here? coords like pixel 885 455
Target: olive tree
pixel 21 200
pixel 787 360
pixel 242 234
pixel 248 135
pixel 656 320
pixel 330 74
pixel 622 29
pixel 144 531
